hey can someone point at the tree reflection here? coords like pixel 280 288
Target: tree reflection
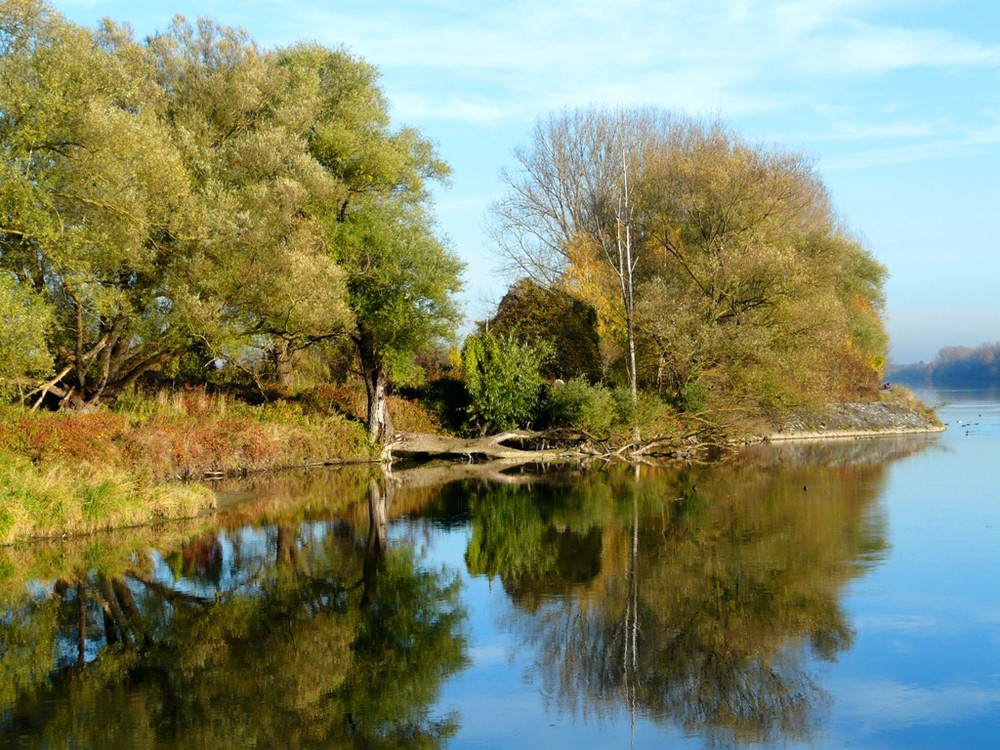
pixel 306 633
pixel 693 596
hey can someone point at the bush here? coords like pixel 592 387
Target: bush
pixel 695 397
pixel 649 413
pixel 578 404
pixel 503 381
pixel 604 412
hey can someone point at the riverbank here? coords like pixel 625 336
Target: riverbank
pixel 897 412
pixel 71 473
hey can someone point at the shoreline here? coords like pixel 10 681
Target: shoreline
pixel 785 437
pixel 893 415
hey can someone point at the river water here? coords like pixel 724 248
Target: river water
pixel 836 594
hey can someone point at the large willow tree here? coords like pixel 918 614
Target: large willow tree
pixel 93 195
pixel 195 193
pixel 748 293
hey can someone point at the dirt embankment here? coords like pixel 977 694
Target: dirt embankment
pixel 889 416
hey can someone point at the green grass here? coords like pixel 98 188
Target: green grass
pixel 57 499
pixel 66 473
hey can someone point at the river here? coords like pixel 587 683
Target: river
pixel 835 594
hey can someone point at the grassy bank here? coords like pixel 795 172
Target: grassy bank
pixel 67 473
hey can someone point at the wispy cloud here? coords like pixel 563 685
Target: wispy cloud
pixel 514 60
pixel 907 153
pixel 866 49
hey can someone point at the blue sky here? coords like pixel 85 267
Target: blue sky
pixel 898 101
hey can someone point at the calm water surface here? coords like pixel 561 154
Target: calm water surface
pixel 830 595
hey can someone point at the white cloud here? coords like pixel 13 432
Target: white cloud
pixel 421 107
pixel 874 50
pixel 513 60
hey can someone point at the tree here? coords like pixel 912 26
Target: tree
pixel 92 195
pixel 717 264
pixel 401 278
pixel 161 197
pixel 570 207
pixel 758 281
pixel 401 281
pixel 531 312
pixel 188 194
pixel 243 119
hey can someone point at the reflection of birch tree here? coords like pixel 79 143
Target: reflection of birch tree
pixel 707 604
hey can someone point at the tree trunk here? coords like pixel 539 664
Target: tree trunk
pixel 626 274
pixel 284 371
pixel 113 608
pixel 373 371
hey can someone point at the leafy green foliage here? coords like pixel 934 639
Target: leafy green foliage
pixel 503 379
pixel 25 321
pixel 92 193
pixel 192 194
pixel 579 404
pixel 400 279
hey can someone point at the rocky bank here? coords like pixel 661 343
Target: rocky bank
pixel 892 415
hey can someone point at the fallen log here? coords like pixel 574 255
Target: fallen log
pixel 471 449
pixel 555 447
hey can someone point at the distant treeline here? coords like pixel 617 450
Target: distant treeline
pixel 955 366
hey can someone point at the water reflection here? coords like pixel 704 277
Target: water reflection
pixel 694 597
pixel 690 597
pixel 308 632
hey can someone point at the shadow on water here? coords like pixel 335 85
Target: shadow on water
pixel 692 596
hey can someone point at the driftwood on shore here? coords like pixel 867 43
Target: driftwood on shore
pixel 889 415
pixel 526 446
